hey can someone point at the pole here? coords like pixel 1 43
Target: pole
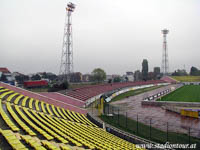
pixel 92 107
pixel 112 109
pixel 112 112
pixel 118 116
pixel 66 67
pixel 189 135
pixel 126 120
pixel 167 132
pixel 150 130
pixel 137 124
pixel 108 109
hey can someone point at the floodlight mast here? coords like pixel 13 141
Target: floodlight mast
pixel 66 66
pixel 165 61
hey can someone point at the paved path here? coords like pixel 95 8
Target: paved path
pixel 159 116
pixel 64 98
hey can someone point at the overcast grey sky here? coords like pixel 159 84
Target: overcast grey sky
pixel 115 35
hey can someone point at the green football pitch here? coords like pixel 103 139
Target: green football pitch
pixel 187 93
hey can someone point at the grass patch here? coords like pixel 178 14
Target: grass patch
pixel 143 131
pixel 134 92
pixel 187 93
pixel 187 78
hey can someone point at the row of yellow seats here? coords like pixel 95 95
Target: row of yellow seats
pixel 30 104
pixel 16 144
pixel 42 132
pixel 93 134
pixel 33 143
pixel 72 116
pixel 69 115
pixel 5 92
pixel 13 140
pixel 63 128
pixel 12 94
pixel 77 117
pixel 18 120
pixel 37 146
pixel 107 138
pixel 24 100
pixel 23 125
pixel 71 132
pixel 20 96
pixel 60 138
pixel 56 128
pixel 84 137
pixel 91 139
pixel 86 120
pixel 16 101
pixel 68 135
pixel 50 146
pixel 7 119
pixel 78 135
pixel 58 112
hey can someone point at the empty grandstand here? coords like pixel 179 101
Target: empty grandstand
pixel 88 92
pixel 32 123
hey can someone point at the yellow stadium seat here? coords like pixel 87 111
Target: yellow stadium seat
pixel 5 93
pixel 12 140
pixel 16 101
pixel 20 123
pixel 30 104
pixel 24 101
pixel 7 119
pixel 56 124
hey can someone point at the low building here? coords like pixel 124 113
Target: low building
pixel 5 71
pixel 76 77
pixel 129 76
pixel 137 75
pixel 108 77
pixel 151 76
pixel 35 84
pixel 86 78
pixel 6 76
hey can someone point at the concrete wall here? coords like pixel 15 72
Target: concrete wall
pixel 191 83
pixel 131 89
pixel 153 101
pixel 166 103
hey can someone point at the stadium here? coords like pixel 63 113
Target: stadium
pixel 55 121
pixel 140 110
pixel 43 122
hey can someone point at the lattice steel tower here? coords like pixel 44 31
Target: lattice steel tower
pixel 165 62
pixel 66 66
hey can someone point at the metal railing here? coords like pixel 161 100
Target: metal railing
pixel 150 127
